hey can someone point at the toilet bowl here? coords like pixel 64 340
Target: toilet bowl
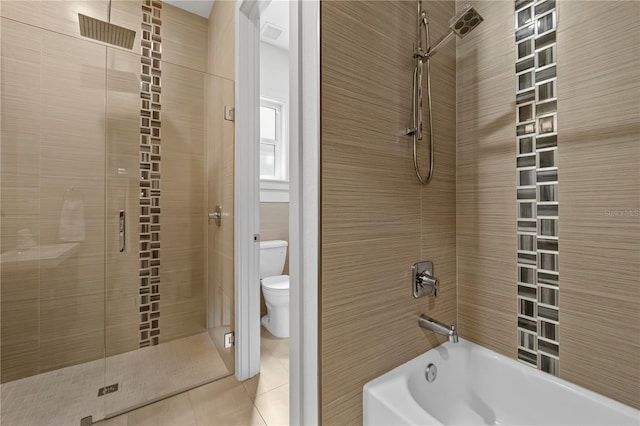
pixel 276 297
pixel 275 287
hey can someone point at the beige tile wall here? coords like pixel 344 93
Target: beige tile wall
pixel 364 254
pixel 57 16
pixel 123 129
pixel 376 219
pixel 598 116
pixel 53 155
pixel 183 203
pixel 486 180
pixel 599 173
pixel 19 196
pixel 222 39
pixel 184 38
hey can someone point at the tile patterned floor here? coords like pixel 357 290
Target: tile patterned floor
pixel 262 400
pixel 62 397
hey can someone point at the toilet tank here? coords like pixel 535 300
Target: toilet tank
pixel 272 256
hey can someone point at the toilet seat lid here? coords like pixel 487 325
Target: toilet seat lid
pixel 278 282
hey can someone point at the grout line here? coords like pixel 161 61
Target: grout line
pixel 276 388
pixel 264 393
pixel 259 413
pixel 193 410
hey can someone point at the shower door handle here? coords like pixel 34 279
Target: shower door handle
pixel 121 231
pixel 217 215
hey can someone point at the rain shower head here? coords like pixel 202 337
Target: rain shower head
pixel 465 21
pixel 106 32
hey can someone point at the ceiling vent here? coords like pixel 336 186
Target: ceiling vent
pixel 271 32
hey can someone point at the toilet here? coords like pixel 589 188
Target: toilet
pixel 275 287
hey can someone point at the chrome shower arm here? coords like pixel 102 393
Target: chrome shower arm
pixel 441 42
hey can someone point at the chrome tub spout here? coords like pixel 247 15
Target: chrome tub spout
pixel 438 327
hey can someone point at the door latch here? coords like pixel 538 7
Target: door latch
pixel 217 215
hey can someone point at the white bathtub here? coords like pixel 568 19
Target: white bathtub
pixel 475 386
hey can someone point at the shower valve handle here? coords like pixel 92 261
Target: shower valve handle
pixel 427 282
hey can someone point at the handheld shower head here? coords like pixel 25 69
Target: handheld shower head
pixel 461 24
pixel 465 21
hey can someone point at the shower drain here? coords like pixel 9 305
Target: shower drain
pixel 108 389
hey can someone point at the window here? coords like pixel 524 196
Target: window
pixel 273 149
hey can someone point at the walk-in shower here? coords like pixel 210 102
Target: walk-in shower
pixel 461 24
pixel 105 115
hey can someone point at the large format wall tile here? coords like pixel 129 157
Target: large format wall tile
pixel 19 304
pixel 599 158
pixel 123 188
pixel 54 164
pixel 486 213
pixel 184 38
pixel 59 16
pixel 221 38
pixel 184 211
pixel 376 219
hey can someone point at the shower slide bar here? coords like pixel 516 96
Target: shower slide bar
pixel 461 24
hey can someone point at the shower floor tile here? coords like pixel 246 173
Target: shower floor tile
pixel 261 400
pixel 64 396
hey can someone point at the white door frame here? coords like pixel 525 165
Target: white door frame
pixel 304 205
pixel 304 208
pixel 246 188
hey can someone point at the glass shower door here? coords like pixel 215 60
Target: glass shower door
pixel 220 259
pixel 115 288
pixel 52 223
pixel 164 129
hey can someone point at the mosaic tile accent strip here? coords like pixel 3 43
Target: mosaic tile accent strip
pixel 150 88
pixel 537 184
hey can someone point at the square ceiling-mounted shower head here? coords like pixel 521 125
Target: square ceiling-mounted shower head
pixel 106 32
pixel 464 21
